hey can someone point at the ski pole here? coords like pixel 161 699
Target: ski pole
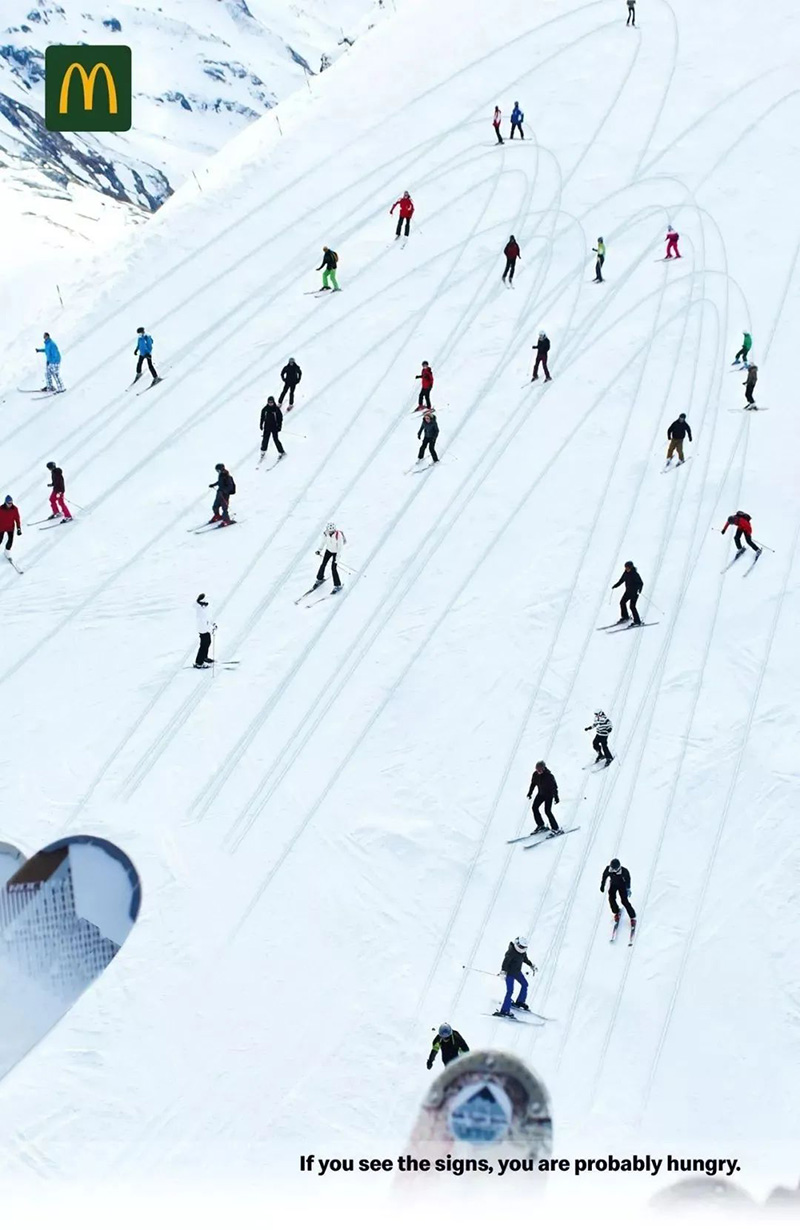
pixel 80 506
pixel 474 969
pixel 766 548
pixel 213 650
pixel 658 608
pixel 348 568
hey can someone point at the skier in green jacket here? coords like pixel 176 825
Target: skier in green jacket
pixel 744 351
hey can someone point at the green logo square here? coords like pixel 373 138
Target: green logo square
pixel 87 89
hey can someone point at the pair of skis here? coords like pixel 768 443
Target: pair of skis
pixel 211 525
pixel 626 627
pixel 738 556
pixel 14 565
pixel 615 929
pixel 321 598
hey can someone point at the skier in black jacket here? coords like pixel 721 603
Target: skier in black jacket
pixel 449 1043
pixel 542 349
pixel 619 885
pixel 271 422
pixel 676 432
pixel 291 375
pixel 226 487
pixel 429 430
pixel 633 587
pixel 512 965
pixel 546 795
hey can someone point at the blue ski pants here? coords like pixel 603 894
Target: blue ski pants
pixel 523 995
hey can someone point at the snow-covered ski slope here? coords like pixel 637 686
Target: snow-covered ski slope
pixel 321 832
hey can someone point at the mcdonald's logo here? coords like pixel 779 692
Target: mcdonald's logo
pixel 88 89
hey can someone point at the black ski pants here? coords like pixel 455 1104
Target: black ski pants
pixel 287 388
pixel 543 360
pixel 598 269
pixel 496 128
pixel 220 506
pixel 400 222
pixel 623 901
pixel 424 398
pixel 600 745
pixel 517 127
pixel 148 359
pixel 508 272
pixel 544 800
pixel 629 599
pixel 329 555
pixel 202 652
pixel 631 16
pixel 737 538
pixel 272 434
pixel 749 390
pixel 9 538
pixel 430 444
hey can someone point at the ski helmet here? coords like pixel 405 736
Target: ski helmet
pixel 445 1030
pixel 51 465
pixel 140 329
pixel 614 864
pixel 201 598
pixel 291 360
pixel 219 467
pixel 681 416
pixel 542 333
pixel 540 764
pixel 8 500
pixel 330 527
pixel 406 193
pixel 520 943
pixel 599 713
pixel 629 563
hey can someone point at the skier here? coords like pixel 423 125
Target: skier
pixel 546 795
pixel 542 349
pixel 672 243
pixel 511 253
pixel 144 349
pixel 271 422
pixel 449 1043
pixel 291 375
pixel 429 429
pixel 226 487
pixel 633 587
pixel 516 121
pixel 631 13
pixel 512 965
pixel 675 434
pixel 57 503
pixel 498 115
pixel 601 259
pixel 743 351
pixel 330 263
pixel 205 629
pixel 426 376
pixel 52 360
pixel 9 521
pixel 749 386
pixel 744 528
pixel 603 728
pixel 619 885
pixel 333 541
pixel 405 215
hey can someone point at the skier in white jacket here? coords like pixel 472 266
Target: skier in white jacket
pixel 602 727
pixel 205 630
pixel 333 541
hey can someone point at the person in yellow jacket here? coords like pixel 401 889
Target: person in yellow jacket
pixel 601 256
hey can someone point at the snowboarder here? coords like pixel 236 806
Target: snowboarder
pixel 52 361
pixel 619 885
pixel 449 1043
pixel 498 115
pixel 749 385
pixel 428 430
pixel 9 521
pixel 542 349
pixel 144 349
pixel 633 587
pixel 676 432
pixel 226 487
pixel 57 503
pixel 205 629
pixel 512 965
pixel 291 375
pixel 333 541
pixel 672 244
pixel 405 215
pixel 330 263
pixel 546 789
pixel 271 422
pixel 744 528
pixel 603 729
pixel 511 253
pixel 426 376
pixel 516 121
pixel 743 351
pixel 601 259
pixel 631 13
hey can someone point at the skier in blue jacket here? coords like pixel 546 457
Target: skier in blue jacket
pixel 516 121
pixel 144 349
pixel 52 359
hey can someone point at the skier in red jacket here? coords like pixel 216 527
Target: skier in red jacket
pixel 511 253
pixel 406 213
pixel 743 527
pixel 9 521
pixel 672 243
pixel 426 376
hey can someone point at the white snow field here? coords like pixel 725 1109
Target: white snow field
pixel 321 831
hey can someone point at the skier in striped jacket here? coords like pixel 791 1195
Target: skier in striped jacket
pixel 602 728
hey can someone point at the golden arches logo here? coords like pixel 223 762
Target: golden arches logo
pixel 88 81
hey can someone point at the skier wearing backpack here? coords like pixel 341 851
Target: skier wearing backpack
pixel 426 377
pixel 633 587
pixel 542 351
pixel 449 1044
pixel 498 115
pixel 743 351
pixel 672 244
pixel 225 487
pixel 546 787
pixel 516 121
pixel 406 213
pixel 144 349
pixel 271 423
pixel 428 430
pixel 676 433
pixel 602 728
pixel 52 362
pixel 750 386
pixel 511 253
pixel 619 885
pixel 291 375
pixel 330 263
pixel 333 542
pixel 744 529
pixel 57 493
pixel 511 970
